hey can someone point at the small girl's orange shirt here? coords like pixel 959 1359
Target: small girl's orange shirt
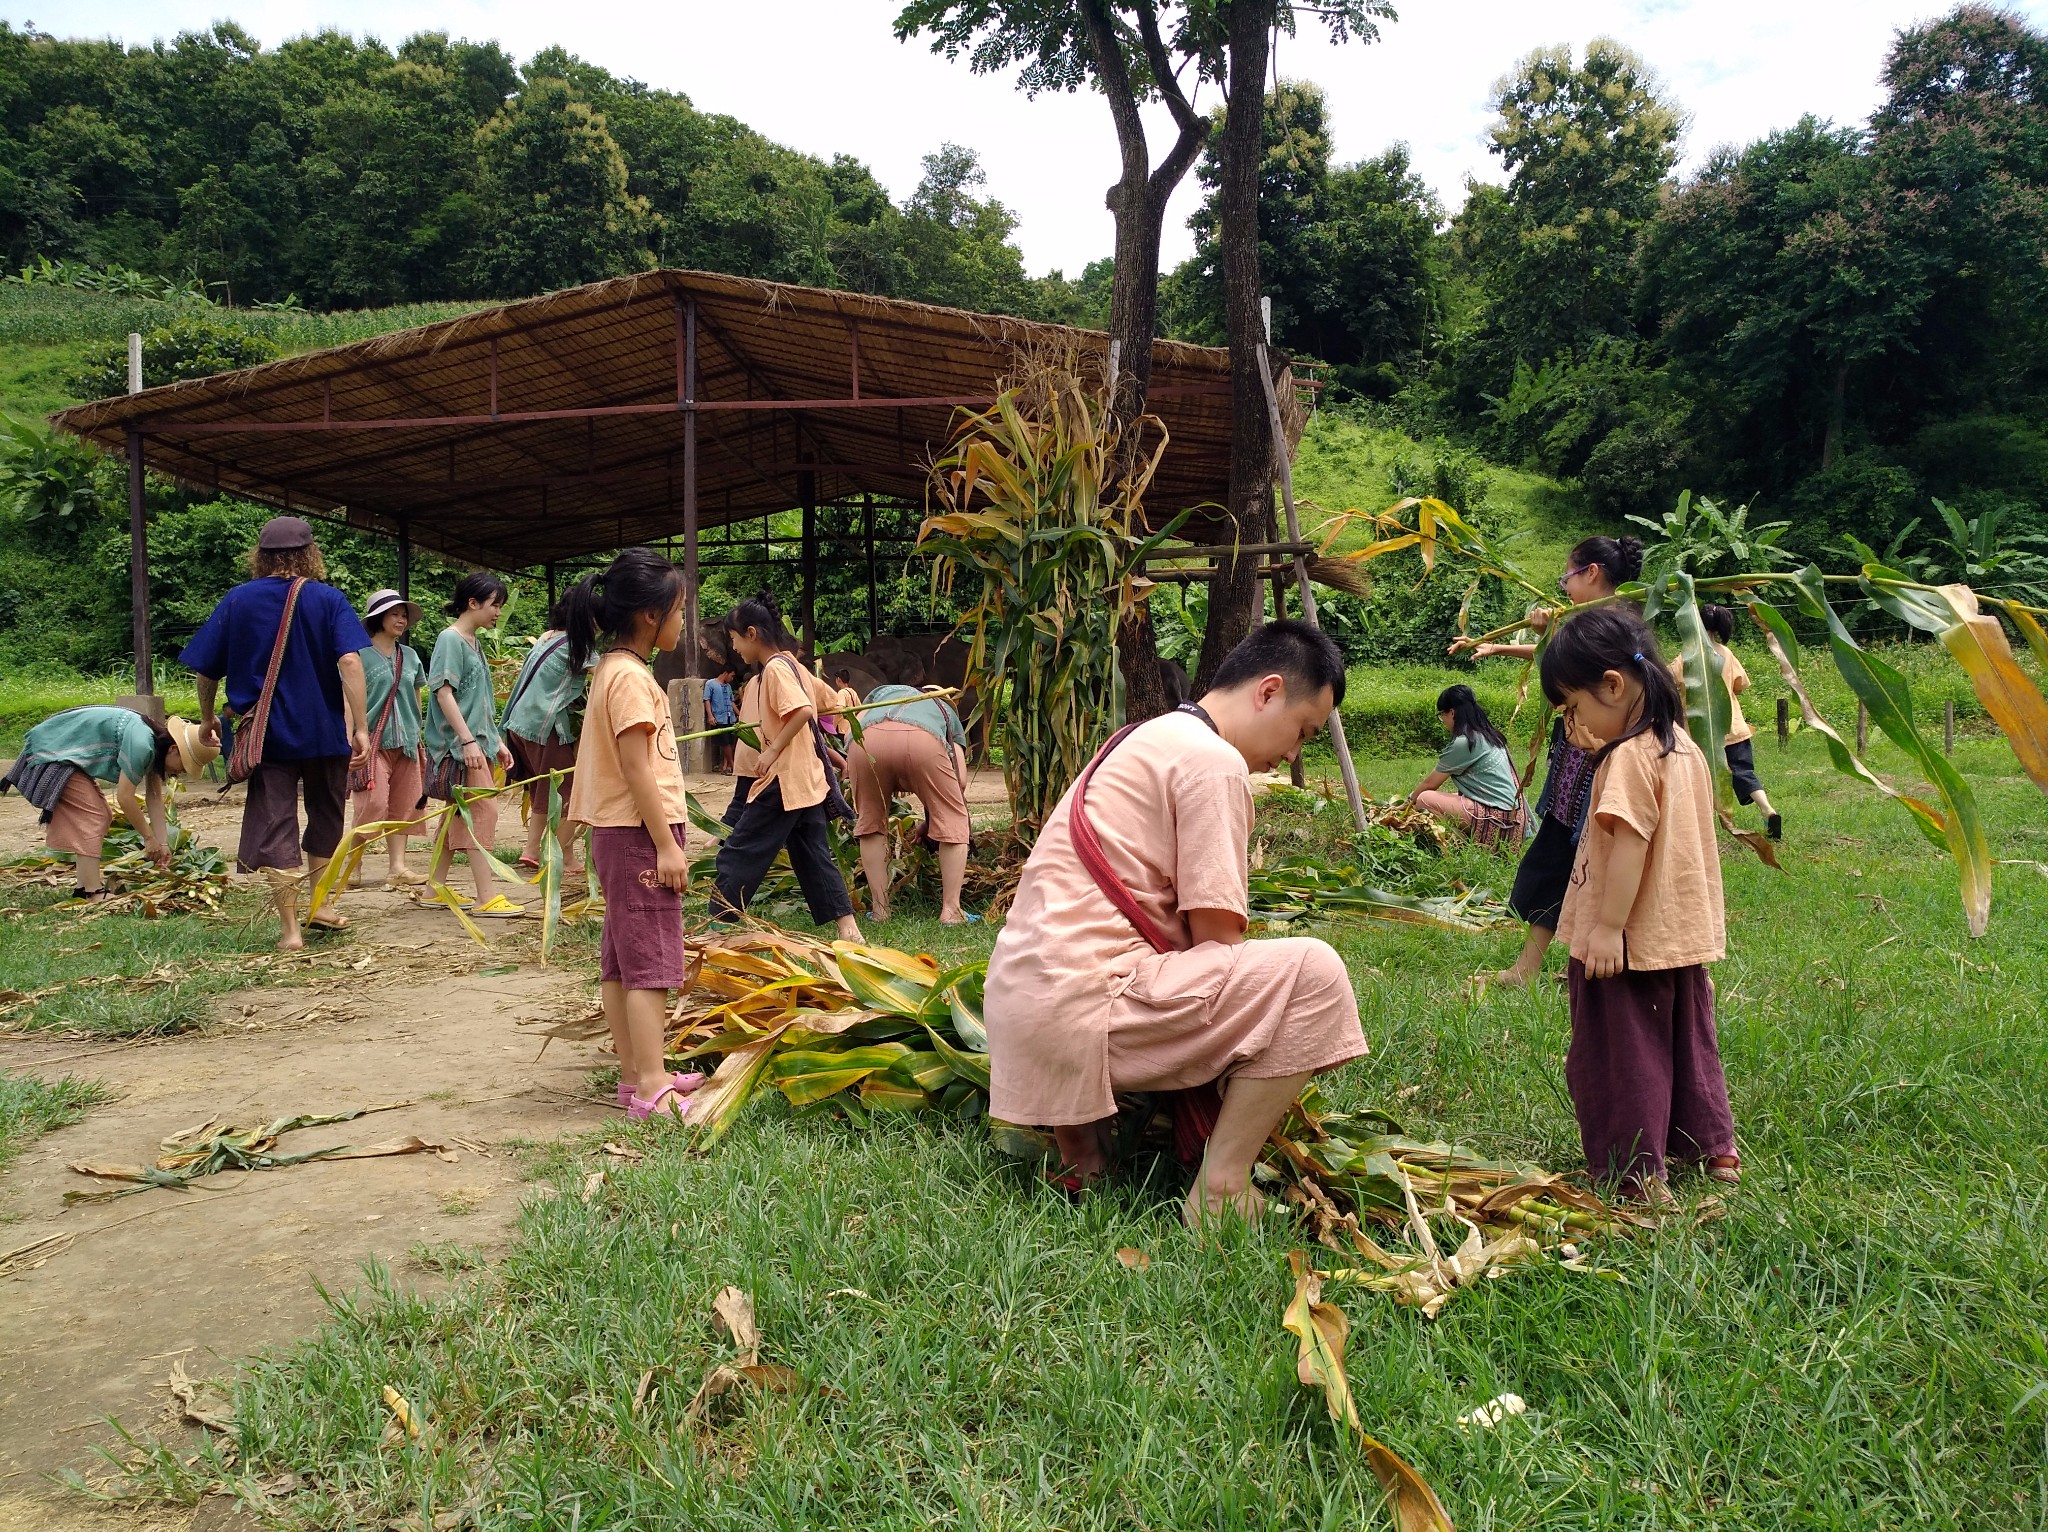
pixel 1676 920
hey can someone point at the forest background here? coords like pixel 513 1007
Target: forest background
pixel 1839 325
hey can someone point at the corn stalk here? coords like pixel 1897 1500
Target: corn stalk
pixel 1032 504
pixel 1954 614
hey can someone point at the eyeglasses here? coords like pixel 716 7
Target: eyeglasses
pixel 1570 574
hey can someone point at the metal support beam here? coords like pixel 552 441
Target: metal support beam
pixel 687 316
pixel 867 518
pixel 551 588
pixel 138 569
pixel 405 558
pixel 807 497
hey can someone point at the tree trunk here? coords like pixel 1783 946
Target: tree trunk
pixel 1838 407
pixel 1234 593
pixel 1138 203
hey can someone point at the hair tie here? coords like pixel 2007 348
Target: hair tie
pixel 1638 658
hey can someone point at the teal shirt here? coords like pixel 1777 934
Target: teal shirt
pixel 934 715
pixel 546 702
pixel 106 743
pixel 459 663
pixel 402 729
pixel 1482 772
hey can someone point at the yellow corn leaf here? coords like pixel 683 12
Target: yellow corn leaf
pixel 2009 696
pixel 879 1093
pixel 403 1415
pixel 1322 1330
pixel 2032 631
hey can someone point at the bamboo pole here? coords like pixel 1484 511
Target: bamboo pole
pixel 1283 467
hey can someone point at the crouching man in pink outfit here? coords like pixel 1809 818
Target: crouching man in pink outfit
pixel 1124 964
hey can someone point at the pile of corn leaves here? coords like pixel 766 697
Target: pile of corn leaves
pixel 195 882
pixel 851 1030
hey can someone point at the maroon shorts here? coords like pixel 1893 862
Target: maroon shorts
pixel 642 946
pixel 532 760
pixel 270 811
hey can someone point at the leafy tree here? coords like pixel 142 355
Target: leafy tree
pixel 1347 253
pixel 553 190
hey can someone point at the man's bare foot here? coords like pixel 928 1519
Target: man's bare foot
pixel 291 941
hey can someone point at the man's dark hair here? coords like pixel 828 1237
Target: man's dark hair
pixel 1303 656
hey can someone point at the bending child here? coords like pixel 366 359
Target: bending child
pixel 629 789
pixel 67 752
pixel 462 734
pixel 543 713
pixel 1643 916
pixel 792 782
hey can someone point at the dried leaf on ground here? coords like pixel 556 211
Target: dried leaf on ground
pixel 1134 1258
pixel 202 1403
pixel 1322 1330
pixel 735 1315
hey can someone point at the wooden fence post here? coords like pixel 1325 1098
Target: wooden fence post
pixel 1862 727
pixel 1948 727
pixel 1784 722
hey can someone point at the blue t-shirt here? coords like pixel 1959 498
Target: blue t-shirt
pixel 718 697
pixel 307 717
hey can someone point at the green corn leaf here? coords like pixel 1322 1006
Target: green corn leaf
pixel 1885 693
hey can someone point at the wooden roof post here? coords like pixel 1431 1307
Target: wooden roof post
pixel 404 557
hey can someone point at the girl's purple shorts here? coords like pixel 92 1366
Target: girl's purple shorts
pixel 642 946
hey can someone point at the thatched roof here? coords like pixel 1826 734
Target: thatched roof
pixel 549 428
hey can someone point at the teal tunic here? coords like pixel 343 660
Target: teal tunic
pixel 934 715
pixel 107 743
pixel 459 663
pixel 402 729
pixel 545 704
pixel 1481 770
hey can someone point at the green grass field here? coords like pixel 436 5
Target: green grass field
pixel 31 1107
pixel 1857 1344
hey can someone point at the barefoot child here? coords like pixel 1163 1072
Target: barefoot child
pixel 543 713
pixel 1643 916
pixel 1596 568
pixel 1736 746
pixel 462 727
pixel 390 784
pixel 1485 799
pixel 786 804
pixel 67 752
pixel 629 790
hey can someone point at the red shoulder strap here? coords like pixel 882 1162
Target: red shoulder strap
pixel 259 717
pixel 1088 847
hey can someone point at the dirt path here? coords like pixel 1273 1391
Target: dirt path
pixel 206 1277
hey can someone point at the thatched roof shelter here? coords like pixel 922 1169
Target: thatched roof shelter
pixel 626 411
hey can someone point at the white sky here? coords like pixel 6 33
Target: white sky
pixel 827 76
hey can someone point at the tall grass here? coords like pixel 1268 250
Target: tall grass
pixel 28 696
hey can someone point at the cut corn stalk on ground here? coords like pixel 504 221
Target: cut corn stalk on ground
pixel 852 1029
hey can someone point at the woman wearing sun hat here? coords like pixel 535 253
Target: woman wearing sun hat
pixel 391 785
pixel 68 752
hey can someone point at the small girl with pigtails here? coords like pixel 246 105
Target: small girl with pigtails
pixel 629 789
pixel 1642 916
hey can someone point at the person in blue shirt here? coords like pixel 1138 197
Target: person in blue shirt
pixel 318 727
pixel 723 711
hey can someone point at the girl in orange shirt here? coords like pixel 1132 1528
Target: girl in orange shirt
pixel 629 789
pixel 794 788
pixel 1642 916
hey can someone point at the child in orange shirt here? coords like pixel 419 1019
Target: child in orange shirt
pixel 629 789
pixel 1642 917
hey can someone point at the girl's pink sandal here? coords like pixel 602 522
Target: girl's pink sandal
pixel 682 1084
pixel 667 1102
